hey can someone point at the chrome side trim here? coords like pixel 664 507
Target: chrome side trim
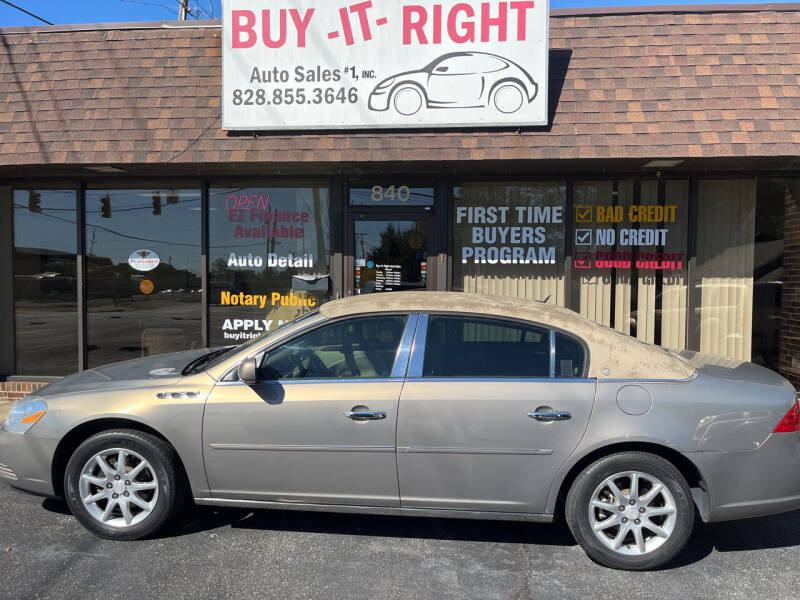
pixel 500 380
pixel 379 510
pixel 404 349
pixel 553 353
pixel 285 382
pixel 688 379
pixel 302 448
pixel 418 348
pixel 438 450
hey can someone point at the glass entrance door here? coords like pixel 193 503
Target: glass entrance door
pixel 389 254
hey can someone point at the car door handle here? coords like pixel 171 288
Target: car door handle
pixel 549 415
pixel 365 415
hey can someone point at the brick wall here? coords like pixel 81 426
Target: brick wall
pixel 790 296
pixel 14 390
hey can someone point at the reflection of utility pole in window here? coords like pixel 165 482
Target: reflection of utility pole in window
pixel 318 224
pixel 91 246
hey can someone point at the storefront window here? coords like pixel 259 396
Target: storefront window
pixel 630 257
pixel 508 239
pixel 143 280
pixel 269 257
pixel 740 266
pixel 45 282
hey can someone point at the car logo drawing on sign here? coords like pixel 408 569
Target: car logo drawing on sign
pixel 457 80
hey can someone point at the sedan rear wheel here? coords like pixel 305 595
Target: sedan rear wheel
pixel 123 484
pixel 631 510
pixel 508 97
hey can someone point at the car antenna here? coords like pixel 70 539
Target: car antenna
pixel 546 299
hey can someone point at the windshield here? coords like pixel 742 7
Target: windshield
pixel 217 359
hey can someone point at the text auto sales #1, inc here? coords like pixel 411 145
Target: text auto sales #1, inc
pixel 365 64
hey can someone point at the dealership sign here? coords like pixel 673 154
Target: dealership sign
pixel 322 64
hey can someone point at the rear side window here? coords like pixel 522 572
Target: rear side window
pixel 362 348
pixel 475 347
pixel 570 356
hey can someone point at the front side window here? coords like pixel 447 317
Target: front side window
pixel 459 346
pixel 362 348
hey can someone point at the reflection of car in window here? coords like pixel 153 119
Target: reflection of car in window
pixel 457 80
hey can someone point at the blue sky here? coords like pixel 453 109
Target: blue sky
pixel 104 11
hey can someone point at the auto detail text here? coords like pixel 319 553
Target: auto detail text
pixel 302 64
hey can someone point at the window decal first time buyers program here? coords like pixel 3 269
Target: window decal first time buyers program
pixel 339 64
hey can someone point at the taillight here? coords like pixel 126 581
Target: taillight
pixel 791 422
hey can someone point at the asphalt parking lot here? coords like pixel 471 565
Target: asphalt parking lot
pixel 210 553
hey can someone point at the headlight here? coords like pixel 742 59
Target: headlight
pixel 385 84
pixel 24 415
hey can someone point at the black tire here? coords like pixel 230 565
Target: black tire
pixel 166 470
pixel 580 496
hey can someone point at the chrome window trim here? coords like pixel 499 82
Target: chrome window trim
pixel 313 381
pixel 418 347
pixel 404 349
pixel 688 379
pixel 552 353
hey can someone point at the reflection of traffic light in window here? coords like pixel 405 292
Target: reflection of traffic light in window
pixel 157 204
pixel 105 201
pixel 34 201
pixel 172 198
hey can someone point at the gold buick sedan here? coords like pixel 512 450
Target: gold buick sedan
pixel 422 403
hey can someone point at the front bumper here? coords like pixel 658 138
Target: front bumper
pixel 752 483
pixel 26 461
pixel 379 100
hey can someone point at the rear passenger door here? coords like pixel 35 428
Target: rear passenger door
pixel 490 410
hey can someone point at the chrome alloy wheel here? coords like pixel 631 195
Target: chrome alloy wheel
pixel 632 513
pixel 118 487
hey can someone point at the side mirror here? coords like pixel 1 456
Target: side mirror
pixel 441 69
pixel 248 371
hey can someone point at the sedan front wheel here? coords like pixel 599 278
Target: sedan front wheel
pixel 123 484
pixel 631 510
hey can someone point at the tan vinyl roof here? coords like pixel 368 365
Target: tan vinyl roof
pixel 613 355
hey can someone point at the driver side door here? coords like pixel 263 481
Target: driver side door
pixel 319 425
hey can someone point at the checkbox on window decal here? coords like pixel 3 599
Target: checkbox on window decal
pixel 583 237
pixel 583 214
pixel 583 260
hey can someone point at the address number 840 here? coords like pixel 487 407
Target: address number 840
pixel 279 96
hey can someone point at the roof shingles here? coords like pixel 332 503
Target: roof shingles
pixel 708 84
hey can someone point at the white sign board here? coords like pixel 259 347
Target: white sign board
pixel 351 64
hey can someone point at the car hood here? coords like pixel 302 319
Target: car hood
pixel 164 369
